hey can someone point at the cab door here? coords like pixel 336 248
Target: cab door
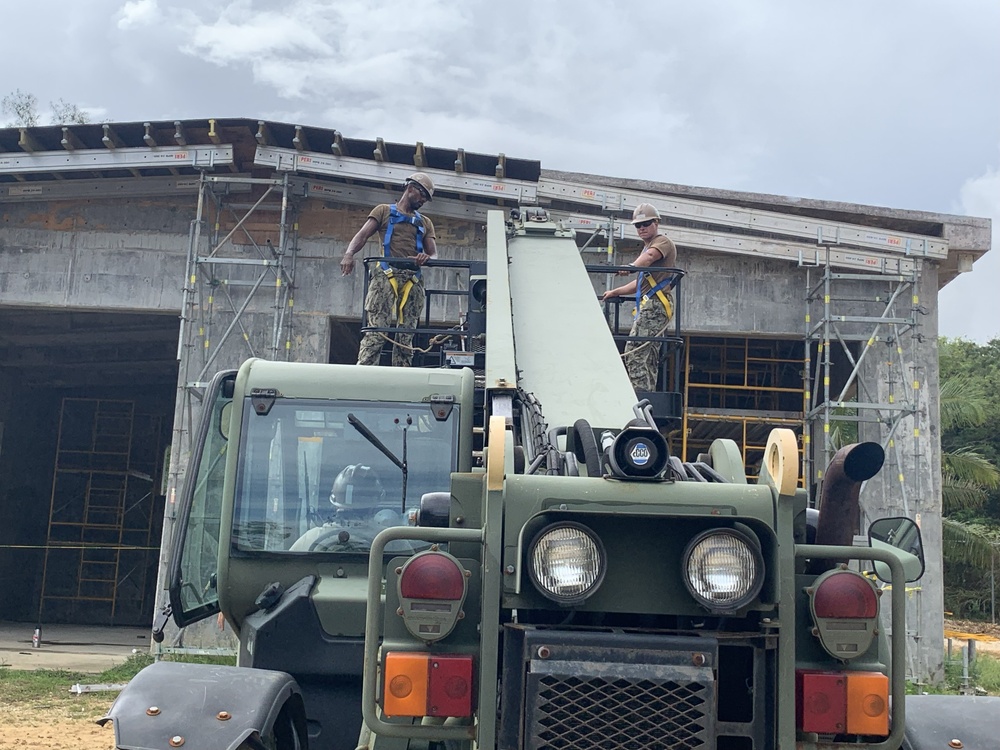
pixel 194 559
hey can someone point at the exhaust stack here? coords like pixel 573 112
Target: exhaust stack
pixel 839 507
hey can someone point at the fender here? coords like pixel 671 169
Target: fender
pixel 207 706
pixel 933 721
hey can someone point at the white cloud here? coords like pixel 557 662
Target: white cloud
pixel 138 13
pixel 969 306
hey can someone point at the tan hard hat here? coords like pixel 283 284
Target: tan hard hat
pixel 423 181
pixel 645 212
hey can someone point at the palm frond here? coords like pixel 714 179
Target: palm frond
pixel 967 465
pixel 967 544
pixel 962 404
pixel 959 495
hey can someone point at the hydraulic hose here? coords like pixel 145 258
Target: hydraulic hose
pixel 586 447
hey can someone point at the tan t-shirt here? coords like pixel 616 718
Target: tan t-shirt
pixel 403 243
pixel 665 246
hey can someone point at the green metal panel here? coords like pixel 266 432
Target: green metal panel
pixel 565 352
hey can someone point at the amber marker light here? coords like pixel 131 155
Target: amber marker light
pixel 405 684
pixel 867 703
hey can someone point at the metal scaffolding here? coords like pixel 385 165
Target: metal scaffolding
pixel 739 388
pixel 236 270
pixel 871 322
pixel 862 316
pixel 241 261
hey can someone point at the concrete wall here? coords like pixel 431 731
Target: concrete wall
pixel 737 296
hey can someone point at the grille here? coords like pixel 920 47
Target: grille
pixel 618 713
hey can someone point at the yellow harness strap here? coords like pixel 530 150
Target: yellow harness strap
pixel 665 300
pixel 401 297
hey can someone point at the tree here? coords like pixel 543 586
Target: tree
pixel 64 113
pixel 966 478
pixel 22 106
pixel 969 477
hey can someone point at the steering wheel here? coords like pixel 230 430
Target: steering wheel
pixel 339 539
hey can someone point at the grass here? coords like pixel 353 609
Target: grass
pixel 984 674
pixel 989 674
pixel 49 689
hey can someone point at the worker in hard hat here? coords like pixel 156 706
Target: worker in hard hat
pixel 654 304
pixel 361 510
pixel 395 294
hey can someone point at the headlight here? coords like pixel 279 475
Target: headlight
pixel 567 562
pixel 723 569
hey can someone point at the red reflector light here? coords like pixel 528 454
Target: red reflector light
pixel 845 595
pixel 431 575
pixel 450 689
pixel 821 702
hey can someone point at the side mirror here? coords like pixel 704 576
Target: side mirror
pixel 902 537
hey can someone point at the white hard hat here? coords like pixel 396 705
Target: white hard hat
pixel 645 212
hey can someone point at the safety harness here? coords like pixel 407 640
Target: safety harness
pixel 398 217
pixel 657 290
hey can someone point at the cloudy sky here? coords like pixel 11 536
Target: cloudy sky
pixel 891 103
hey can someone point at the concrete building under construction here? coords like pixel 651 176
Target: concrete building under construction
pixel 136 259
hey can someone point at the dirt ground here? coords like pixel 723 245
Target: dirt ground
pixel 60 725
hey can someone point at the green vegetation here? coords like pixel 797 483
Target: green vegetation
pixel 984 677
pixel 970 450
pixel 50 689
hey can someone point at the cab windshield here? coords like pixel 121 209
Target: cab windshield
pixel 310 480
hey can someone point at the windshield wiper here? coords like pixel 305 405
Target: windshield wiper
pixel 370 436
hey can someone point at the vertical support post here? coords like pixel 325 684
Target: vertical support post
pixel 279 271
pixel 965 668
pixel 807 462
pixel 684 410
pixel 825 344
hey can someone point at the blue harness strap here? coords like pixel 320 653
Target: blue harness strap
pixel 398 217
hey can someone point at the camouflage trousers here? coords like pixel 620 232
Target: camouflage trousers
pixel 642 358
pixel 382 308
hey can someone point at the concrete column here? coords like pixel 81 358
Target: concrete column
pixel 910 482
